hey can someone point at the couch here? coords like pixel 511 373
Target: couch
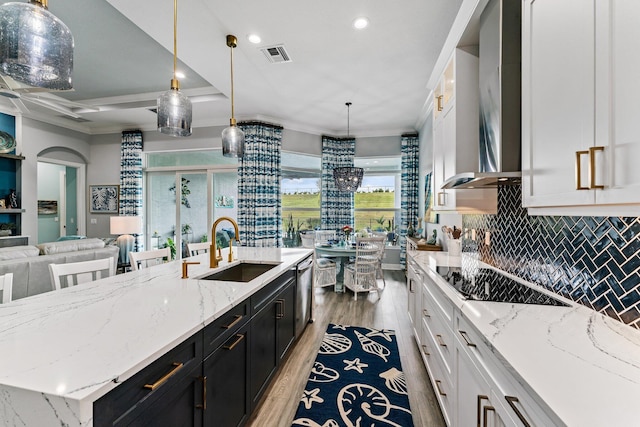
pixel 30 264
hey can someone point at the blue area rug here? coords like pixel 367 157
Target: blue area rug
pixel 356 381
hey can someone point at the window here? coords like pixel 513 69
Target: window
pixel 300 187
pixel 377 201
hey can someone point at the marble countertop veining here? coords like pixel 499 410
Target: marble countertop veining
pixel 583 365
pixel 72 346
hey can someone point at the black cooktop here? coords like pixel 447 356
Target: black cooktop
pixel 484 284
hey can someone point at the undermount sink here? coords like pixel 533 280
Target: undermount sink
pixel 243 272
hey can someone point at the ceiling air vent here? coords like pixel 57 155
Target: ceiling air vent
pixel 276 54
pixel 76 119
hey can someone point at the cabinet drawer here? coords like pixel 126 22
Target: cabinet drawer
pixel 150 383
pixel 440 342
pixel 443 389
pixel 269 292
pixel 439 302
pixel 224 326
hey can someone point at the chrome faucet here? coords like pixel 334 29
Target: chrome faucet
pixel 214 258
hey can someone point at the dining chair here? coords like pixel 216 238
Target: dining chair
pixel 378 242
pixel 324 270
pixel 144 259
pixel 75 273
pixel 6 286
pixel 198 248
pixel 361 276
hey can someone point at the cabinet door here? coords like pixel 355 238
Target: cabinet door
pixel 617 94
pixel 227 374
pixel 438 165
pixel 558 70
pixel 474 405
pixel 177 407
pixel 263 350
pixel 286 328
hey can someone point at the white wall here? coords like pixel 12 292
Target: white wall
pixel 49 142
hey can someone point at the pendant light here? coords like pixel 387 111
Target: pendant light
pixel 36 48
pixel 348 178
pixel 233 136
pixel 174 107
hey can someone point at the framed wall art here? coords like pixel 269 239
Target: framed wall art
pixel 104 198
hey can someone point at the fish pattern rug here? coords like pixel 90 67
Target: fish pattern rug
pixel 356 381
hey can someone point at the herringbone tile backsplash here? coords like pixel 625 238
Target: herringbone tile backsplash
pixel 592 260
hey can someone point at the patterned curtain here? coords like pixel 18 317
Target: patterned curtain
pixel 131 179
pixel 409 192
pixel 336 209
pixel 259 203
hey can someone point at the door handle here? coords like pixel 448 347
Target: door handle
pixel 481 397
pixel 592 168
pixel 511 401
pixel 579 170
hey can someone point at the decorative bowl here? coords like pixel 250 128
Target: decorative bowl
pixel 7 142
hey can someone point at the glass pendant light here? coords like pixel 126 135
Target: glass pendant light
pixel 348 178
pixel 233 136
pixel 36 48
pixel 174 107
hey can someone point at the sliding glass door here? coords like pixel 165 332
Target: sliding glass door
pixel 182 206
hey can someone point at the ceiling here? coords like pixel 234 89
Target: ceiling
pixel 123 61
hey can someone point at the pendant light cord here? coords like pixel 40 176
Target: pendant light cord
pixel 175 38
pixel 232 112
pixel 348 104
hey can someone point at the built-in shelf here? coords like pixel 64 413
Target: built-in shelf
pixel 11 211
pixel 11 156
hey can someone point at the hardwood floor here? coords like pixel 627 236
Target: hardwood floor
pixel 279 404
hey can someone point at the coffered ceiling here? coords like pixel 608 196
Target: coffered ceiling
pixel 123 60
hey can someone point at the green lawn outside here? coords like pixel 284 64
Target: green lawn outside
pixel 302 220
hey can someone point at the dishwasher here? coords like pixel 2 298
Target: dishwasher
pixel 304 294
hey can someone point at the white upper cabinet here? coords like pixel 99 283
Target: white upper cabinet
pixel 456 136
pixel 580 109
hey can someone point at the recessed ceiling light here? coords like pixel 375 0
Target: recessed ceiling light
pixel 360 23
pixel 180 75
pixel 254 38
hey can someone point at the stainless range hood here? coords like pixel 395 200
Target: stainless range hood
pixel 499 81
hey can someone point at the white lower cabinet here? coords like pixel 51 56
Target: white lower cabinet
pixel 471 383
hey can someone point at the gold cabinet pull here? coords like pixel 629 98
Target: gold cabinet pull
pixel 579 170
pixel 440 341
pixel 239 338
pixel 592 168
pixel 466 339
pixel 481 397
pixel 484 414
pixel 442 197
pixel 411 286
pixel 511 401
pixel 442 393
pixel 238 317
pixel 164 378
pixel 439 98
pixel 424 350
pixel 425 313
pixel 203 406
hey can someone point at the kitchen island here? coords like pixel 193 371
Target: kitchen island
pixel 62 351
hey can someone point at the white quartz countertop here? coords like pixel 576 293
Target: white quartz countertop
pixel 74 345
pixel 583 365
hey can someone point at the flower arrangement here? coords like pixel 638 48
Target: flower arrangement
pixel 347 230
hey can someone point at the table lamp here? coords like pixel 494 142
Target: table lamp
pixel 125 226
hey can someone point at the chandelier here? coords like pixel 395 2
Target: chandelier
pixel 348 178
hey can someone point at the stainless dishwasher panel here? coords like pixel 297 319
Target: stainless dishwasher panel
pixel 304 295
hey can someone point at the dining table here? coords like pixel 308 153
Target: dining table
pixel 342 252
